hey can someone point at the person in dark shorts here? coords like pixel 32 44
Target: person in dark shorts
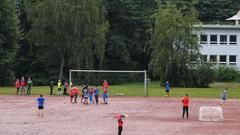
pixel 40 102
pixel 96 93
pixel 75 94
pixel 185 102
pixel 167 87
pixel 120 126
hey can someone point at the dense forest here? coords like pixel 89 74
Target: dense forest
pixel 43 39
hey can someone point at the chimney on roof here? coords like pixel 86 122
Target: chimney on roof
pixel 236 18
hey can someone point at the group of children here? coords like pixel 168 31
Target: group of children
pixel 23 85
pixel 89 94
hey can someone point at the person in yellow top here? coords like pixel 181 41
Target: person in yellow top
pixel 59 87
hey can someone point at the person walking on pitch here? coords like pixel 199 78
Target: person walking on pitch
pixel 224 96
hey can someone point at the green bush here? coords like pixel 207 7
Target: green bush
pixel 228 74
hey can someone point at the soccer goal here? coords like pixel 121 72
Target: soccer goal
pixel 114 77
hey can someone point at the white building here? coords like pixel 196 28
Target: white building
pixel 221 43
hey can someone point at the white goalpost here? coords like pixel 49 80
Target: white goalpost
pixel 113 71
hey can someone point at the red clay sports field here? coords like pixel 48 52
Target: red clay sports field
pixel 147 116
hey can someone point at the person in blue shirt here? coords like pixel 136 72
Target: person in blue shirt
pixel 85 95
pixel 96 92
pixel 224 96
pixel 40 102
pixel 167 87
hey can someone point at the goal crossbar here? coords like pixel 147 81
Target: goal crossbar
pixel 114 71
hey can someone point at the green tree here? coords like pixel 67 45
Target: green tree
pixel 9 34
pixel 173 44
pixel 126 43
pixel 67 34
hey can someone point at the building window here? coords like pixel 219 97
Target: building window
pixel 213 59
pixel 223 60
pixel 203 39
pixel 232 60
pixel 213 39
pixel 223 39
pixel 204 58
pixel 233 40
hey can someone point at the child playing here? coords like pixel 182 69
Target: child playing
pixel 75 94
pixel 224 96
pixel 96 92
pixel 40 101
pixel 17 84
pixel 85 94
pixel 105 95
pixel 185 102
pixel 90 93
pixel 71 93
pixel 120 126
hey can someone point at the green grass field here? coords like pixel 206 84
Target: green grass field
pixel 136 89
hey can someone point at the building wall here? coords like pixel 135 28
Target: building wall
pixel 220 49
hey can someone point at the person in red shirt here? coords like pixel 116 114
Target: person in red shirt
pixel 185 102
pixel 17 84
pixel 120 126
pixel 71 93
pixel 75 94
pixel 105 84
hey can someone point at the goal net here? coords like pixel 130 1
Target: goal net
pixel 127 83
pixel 210 113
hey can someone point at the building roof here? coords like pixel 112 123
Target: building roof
pixel 217 26
pixel 235 17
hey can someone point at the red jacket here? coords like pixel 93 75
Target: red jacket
pixel 17 84
pixel 71 93
pixel 185 101
pixel 120 123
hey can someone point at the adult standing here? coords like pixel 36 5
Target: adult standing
pixel 51 85
pixel 167 87
pixel 185 102
pixel 29 86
